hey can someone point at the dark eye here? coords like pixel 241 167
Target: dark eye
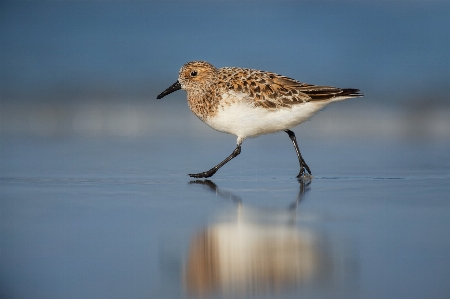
pixel 193 73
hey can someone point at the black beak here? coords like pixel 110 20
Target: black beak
pixel 175 86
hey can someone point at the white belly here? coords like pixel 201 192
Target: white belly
pixel 244 120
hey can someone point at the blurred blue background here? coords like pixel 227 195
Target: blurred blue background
pixel 69 67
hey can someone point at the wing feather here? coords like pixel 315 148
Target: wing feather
pixel 270 90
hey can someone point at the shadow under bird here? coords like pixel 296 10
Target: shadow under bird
pixel 248 103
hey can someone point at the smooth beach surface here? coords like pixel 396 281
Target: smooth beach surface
pixel 120 218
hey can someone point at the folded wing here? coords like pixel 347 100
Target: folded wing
pixel 271 90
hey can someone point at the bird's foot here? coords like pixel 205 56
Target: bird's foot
pixel 305 178
pixel 205 174
pixel 305 175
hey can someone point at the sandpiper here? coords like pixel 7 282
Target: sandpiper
pixel 248 103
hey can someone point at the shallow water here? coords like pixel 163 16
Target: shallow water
pixel 119 218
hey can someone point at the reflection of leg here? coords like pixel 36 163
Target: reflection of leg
pixel 208 183
pixel 213 170
pixel 213 187
pixel 304 187
pixel 303 165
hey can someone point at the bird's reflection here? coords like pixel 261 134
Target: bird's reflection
pixel 249 254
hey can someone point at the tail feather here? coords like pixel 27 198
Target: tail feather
pixel 320 93
pixel 351 92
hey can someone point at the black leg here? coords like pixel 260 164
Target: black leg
pixel 303 166
pixel 213 170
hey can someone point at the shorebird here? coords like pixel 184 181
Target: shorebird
pixel 248 103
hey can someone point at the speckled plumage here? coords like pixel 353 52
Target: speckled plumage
pixel 248 103
pixel 262 89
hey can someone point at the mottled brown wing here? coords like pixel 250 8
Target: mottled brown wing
pixel 281 91
pixel 271 90
pixel 266 89
pixel 293 92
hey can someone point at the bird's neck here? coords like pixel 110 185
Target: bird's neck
pixel 202 103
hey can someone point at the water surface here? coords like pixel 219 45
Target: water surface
pixel 119 218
